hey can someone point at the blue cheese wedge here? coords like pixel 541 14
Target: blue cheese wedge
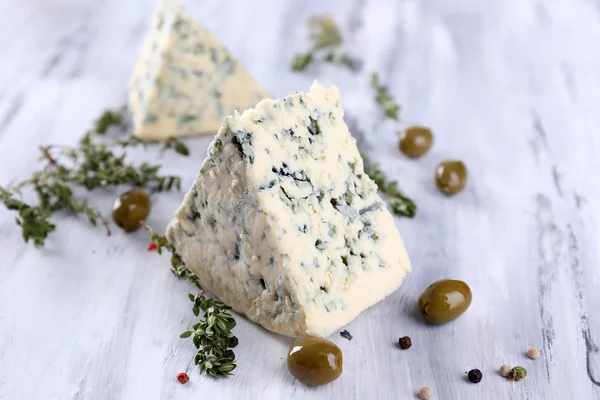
pixel 282 223
pixel 185 82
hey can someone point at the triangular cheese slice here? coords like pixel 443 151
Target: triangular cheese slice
pixel 185 82
pixel 283 224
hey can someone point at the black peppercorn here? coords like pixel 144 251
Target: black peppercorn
pixel 346 335
pixel 233 342
pixel 475 376
pixel 404 342
pixel 229 354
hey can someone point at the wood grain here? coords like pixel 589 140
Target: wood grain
pixel 512 87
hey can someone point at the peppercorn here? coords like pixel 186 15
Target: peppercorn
pixel 533 353
pixel 183 378
pixel 475 376
pixel 517 373
pixel 233 341
pixel 404 342
pixel 504 370
pixel 229 354
pixel 346 335
pixel 425 393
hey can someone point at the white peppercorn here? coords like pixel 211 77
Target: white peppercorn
pixel 425 393
pixel 533 353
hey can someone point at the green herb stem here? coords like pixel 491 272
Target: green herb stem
pixel 343 60
pixel 324 32
pixel 34 221
pixel 93 164
pixel 399 203
pixel 302 61
pixel 326 40
pixel 386 102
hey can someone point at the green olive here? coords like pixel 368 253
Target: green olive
pixel 416 141
pixel 451 176
pixel 315 361
pixel 444 301
pixel 131 209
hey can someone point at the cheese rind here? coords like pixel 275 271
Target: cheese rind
pixel 282 223
pixel 185 82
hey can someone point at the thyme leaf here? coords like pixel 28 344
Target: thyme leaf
pixel 93 163
pixel 108 119
pixel 326 40
pixel 301 61
pixel 34 221
pixel 324 32
pixel 399 203
pixel 386 102
pixel 343 60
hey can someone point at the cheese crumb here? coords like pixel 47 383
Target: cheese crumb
pixel 533 353
pixel 425 393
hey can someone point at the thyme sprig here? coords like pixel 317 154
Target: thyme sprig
pixel 343 60
pixel 94 163
pixel 324 32
pixel 212 335
pixel 178 267
pixel 34 221
pixel 399 203
pixel 386 102
pixel 326 40
pixel 107 119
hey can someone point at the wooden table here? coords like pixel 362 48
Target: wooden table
pixel 512 87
